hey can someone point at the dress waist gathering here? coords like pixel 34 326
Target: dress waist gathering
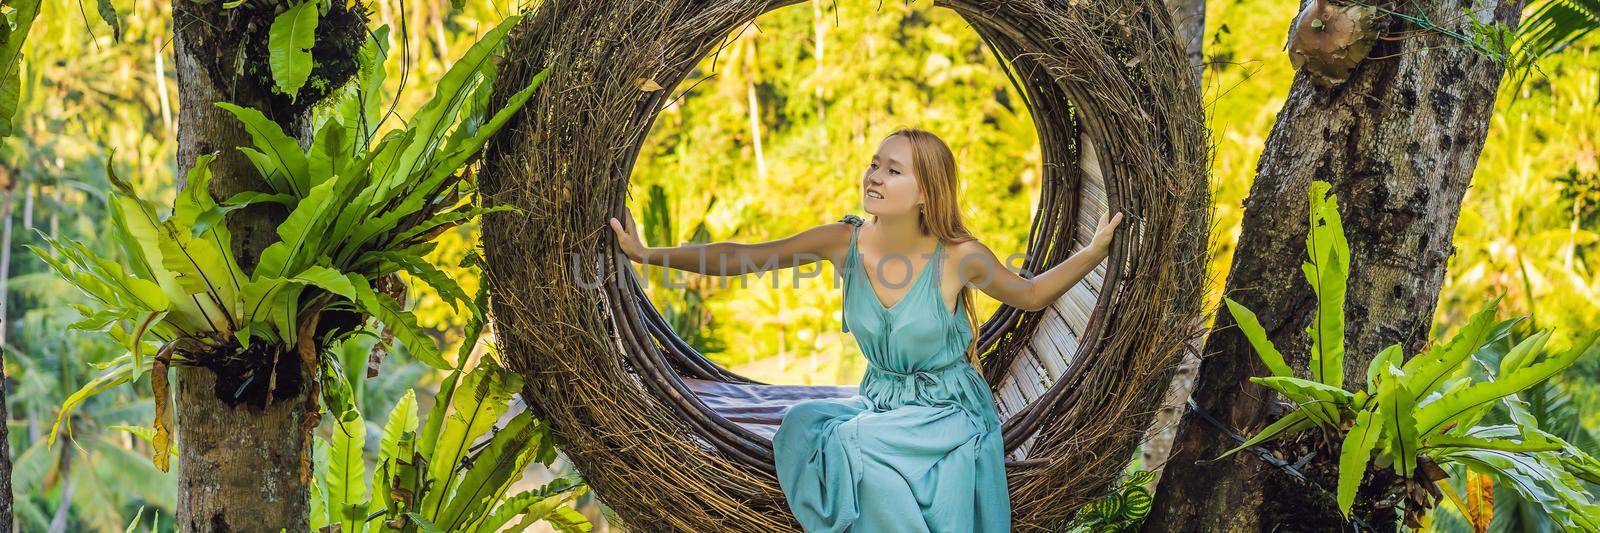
pixel 954 384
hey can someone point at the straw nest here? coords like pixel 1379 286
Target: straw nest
pixel 605 373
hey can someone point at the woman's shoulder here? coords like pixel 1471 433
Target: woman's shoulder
pixel 852 219
pixel 968 254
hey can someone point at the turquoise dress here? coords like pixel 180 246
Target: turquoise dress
pixel 918 448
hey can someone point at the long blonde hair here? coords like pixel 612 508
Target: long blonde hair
pixel 935 168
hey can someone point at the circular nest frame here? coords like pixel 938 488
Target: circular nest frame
pixel 607 375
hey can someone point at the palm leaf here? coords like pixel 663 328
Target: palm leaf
pixel 1556 23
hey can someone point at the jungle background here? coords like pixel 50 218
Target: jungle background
pixel 768 138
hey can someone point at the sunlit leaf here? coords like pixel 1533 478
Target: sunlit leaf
pixel 483 395
pixel 1427 370
pixel 1327 274
pixel 289 43
pixel 1395 412
pixel 22 16
pixel 491 471
pixel 1461 404
pixel 347 473
pixel 1353 457
pixel 275 154
pixel 120 372
pixel 403 323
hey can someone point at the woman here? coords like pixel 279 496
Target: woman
pixel 919 447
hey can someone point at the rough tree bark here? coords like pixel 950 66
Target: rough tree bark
pixel 239 458
pixel 5 444
pixel 5 429
pixel 1398 141
pixel 1189 21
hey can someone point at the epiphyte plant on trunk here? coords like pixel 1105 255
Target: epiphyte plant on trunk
pixel 358 213
pixel 1420 413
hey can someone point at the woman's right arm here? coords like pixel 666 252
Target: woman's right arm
pixel 724 258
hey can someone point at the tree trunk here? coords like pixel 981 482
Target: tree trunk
pixel 5 306
pixel 239 467
pixel 1398 141
pixel 240 458
pixel 1189 22
pixel 5 255
pixel 5 443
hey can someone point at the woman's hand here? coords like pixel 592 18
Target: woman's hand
pixel 1104 231
pixel 628 237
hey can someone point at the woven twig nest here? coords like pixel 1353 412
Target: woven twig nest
pixel 1076 383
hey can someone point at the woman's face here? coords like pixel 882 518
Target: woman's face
pixel 889 188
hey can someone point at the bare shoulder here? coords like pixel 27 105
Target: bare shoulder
pixel 969 248
pixel 834 239
pixel 971 257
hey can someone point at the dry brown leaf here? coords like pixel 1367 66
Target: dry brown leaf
pixel 1480 501
pixel 163 424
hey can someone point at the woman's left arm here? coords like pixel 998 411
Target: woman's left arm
pixel 980 268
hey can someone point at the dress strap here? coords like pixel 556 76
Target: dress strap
pixel 851 259
pixel 936 273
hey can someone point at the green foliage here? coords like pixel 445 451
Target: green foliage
pixel 1553 25
pixel 1424 408
pixel 1354 453
pixel 1549 407
pixel 354 214
pixel 883 65
pixel 1123 510
pixel 456 482
pixel 289 43
pixel 108 13
pixel 684 309
pixel 109 478
pixel 1326 272
pixel 13 31
pixel 1250 326
pixel 346 473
